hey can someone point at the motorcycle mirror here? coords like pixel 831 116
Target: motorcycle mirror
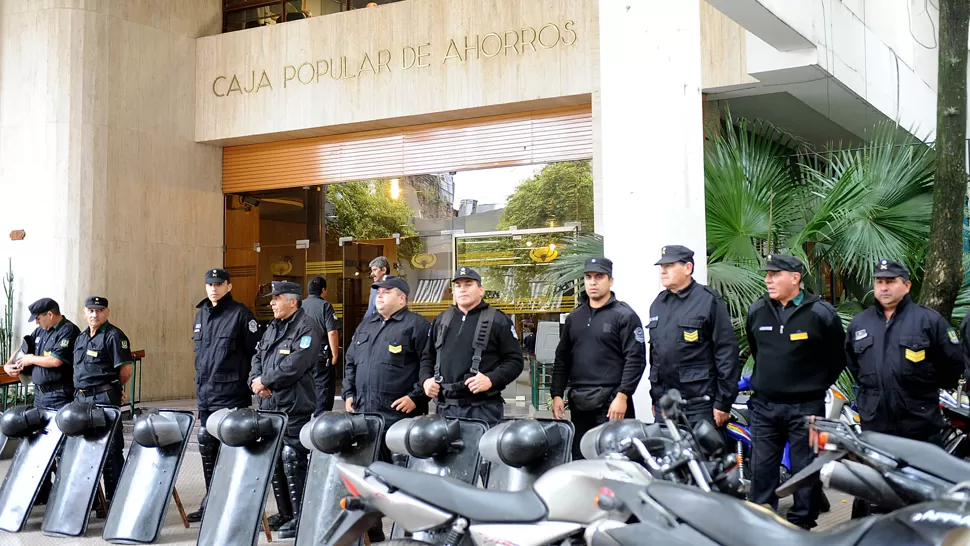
pixel 808 474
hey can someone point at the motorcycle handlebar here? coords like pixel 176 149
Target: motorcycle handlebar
pixel 673 399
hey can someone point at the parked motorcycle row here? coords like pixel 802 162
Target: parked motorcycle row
pixel 455 482
pixel 662 483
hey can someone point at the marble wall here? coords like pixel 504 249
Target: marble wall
pixel 99 166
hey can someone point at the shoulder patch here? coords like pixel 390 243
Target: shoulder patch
pixel 305 342
pixel 65 342
pixel 638 333
pixel 124 343
pixel 952 334
pixel 253 326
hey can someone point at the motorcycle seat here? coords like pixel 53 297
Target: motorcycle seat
pixel 741 414
pixel 451 495
pixel 921 455
pixel 727 520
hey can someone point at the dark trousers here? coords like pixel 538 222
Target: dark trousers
pixel 491 411
pixel 772 426
pixel 53 399
pixel 584 421
pixel 323 385
pixel 116 456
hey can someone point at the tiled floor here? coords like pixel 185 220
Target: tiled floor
pixel 191 489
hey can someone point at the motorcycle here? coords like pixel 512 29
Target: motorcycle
pixel 837 406
pixel 555 509
pixel 914 478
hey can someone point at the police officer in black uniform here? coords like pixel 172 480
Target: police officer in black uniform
pixel 282 377
pixel 48 354
pixel 102 366
pixel 225 341
pixel 384 358
pixel 796 340
pixel 320 309
pixel 450 373
pixel 600 356
pixel 692 343
pixel 901 354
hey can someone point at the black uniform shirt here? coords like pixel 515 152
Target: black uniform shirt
pixel 97 359
pixel 900 365
pixel 57 342
pixel 225 340
pixel 798 353
pixel 384 359
pixel 601 347
pixel 284 360
pixel 692 346
pixel 501 360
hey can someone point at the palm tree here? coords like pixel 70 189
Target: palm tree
pixel 839 211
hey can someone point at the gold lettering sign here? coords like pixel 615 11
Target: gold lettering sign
pixel 373 63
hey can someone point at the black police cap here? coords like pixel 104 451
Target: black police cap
pixel 598 265
pixel 40 307
pixel 783 262
pixel 672 254
pixel 467 273
pixel 215 276
pixel 393 282
pixel 286 287
pixel 96 302
pixel 889 269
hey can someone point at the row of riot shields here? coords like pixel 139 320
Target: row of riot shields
pixel 77 440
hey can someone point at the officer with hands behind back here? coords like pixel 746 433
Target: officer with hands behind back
pixel 102 365
pixel 901 354
pixel 796 340
pixel 225 340
pixel 471 354
pixel 600 356
pixel 282 377
pixel 692 343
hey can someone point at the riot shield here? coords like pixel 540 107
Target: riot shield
pixel 324 488
pixel 145 488
pixel 521 450
pixel 445 446
pixel 241 479
pixel 82 461
pixel 30 465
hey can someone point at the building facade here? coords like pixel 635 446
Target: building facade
pixel 141 145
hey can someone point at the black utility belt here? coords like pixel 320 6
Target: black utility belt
pixel 54 387
pixel 464 402
pixel 91 391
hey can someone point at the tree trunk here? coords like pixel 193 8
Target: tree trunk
pixel 944 261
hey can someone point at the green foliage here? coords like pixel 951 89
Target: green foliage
pixel 365 210
pixel 839 211
pixel 559 193
pixel 6 322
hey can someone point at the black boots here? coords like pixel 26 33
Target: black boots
pixel 282 494
pixel 295 467
pixel 209 450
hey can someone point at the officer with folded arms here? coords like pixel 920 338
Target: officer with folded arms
pixel 225 340
pixel 796 340
pixel 471 354
pixel 600 356
pixel 901 354
pixel 282 377
pixel 692 343
pixel 102 366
